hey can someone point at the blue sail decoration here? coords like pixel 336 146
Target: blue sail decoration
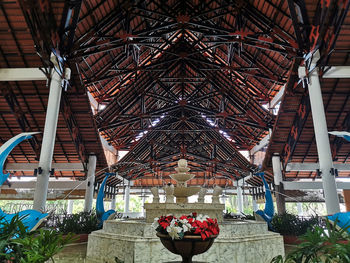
pixel 100 209
pixel 30 218
pixel 342 220
pixel 344 134
pixel 269 211
pixel 7 147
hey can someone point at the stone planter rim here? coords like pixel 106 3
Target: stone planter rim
pixel 194 237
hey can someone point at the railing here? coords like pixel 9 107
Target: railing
pixel 12 208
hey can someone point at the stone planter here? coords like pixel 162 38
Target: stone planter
pixel 187 247
pixel 80 238
pixel 291 240
pixel 83 238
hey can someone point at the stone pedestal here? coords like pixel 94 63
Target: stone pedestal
pixel 136 242
pixel 156 210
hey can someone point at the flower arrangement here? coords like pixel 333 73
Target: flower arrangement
pixel 193 224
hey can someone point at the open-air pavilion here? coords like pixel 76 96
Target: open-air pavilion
pixel 128 88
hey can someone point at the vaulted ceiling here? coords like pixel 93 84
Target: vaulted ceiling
pixel 177 79
pixel 184 79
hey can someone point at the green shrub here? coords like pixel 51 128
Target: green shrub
pixel 81 223
pixel 321 245
pixel 19 246
pixel 249 217
pixel 289 224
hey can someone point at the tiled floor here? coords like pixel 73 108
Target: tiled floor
pixel 76 253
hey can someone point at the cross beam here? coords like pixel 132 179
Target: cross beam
pixel 312 185
pixel 21 74
pixel 57 166
pixel 291 167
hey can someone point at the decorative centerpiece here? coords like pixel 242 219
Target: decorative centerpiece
pixel 188 235
pixel 181 190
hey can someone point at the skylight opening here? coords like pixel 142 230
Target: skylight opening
pixel 245 154
pixel 274 110
pixel 153 124
pixel 121 154
pixel 213 124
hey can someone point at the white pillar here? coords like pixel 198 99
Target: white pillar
pixel 223 200
pixel 300 209
pixel 239 199
pixel 143 199
pixel 70 207
pixel 278 178
pixel 127 199
pixel 277 171
pixel 255 205
pixel 90 180
pixel 112 207
pixel 48 143
pixel 322 140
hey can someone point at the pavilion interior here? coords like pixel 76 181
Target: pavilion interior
pixel 214 82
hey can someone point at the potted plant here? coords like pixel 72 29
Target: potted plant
pixel 291 226
pixel 188 235
pixel 321 245
pixel 19 245
pixel 82 224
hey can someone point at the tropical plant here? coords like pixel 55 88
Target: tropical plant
pixel 289 224
pixel 320 245
pixel 249 217
pixel 81 223
pixel 230 215
pixel 19 246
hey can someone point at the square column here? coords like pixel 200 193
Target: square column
pixel 255 205
pixel 113 204
pixel 278 178
pixel 127 199
pixel 321 135
pixel 70 207
pixel 239 199
pixel 90 180
pixel 300 209
pixel 48 143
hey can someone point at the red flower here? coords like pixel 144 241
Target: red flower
pixel 204 228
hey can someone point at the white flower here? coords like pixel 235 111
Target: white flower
pixel 155 223
pixel 185 225
pixel 174 231
pixel 202 218
pixel 172 222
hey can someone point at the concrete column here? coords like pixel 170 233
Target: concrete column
pixel 90 180
pixel 239 199
pixel 127 199
pixel 322 140
pixel 279 190
pixel 113 200
pixel 255 205
pixel 70 207
pixel 48 143
pixel 346 194
pixel 143 200
pixel 300 209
